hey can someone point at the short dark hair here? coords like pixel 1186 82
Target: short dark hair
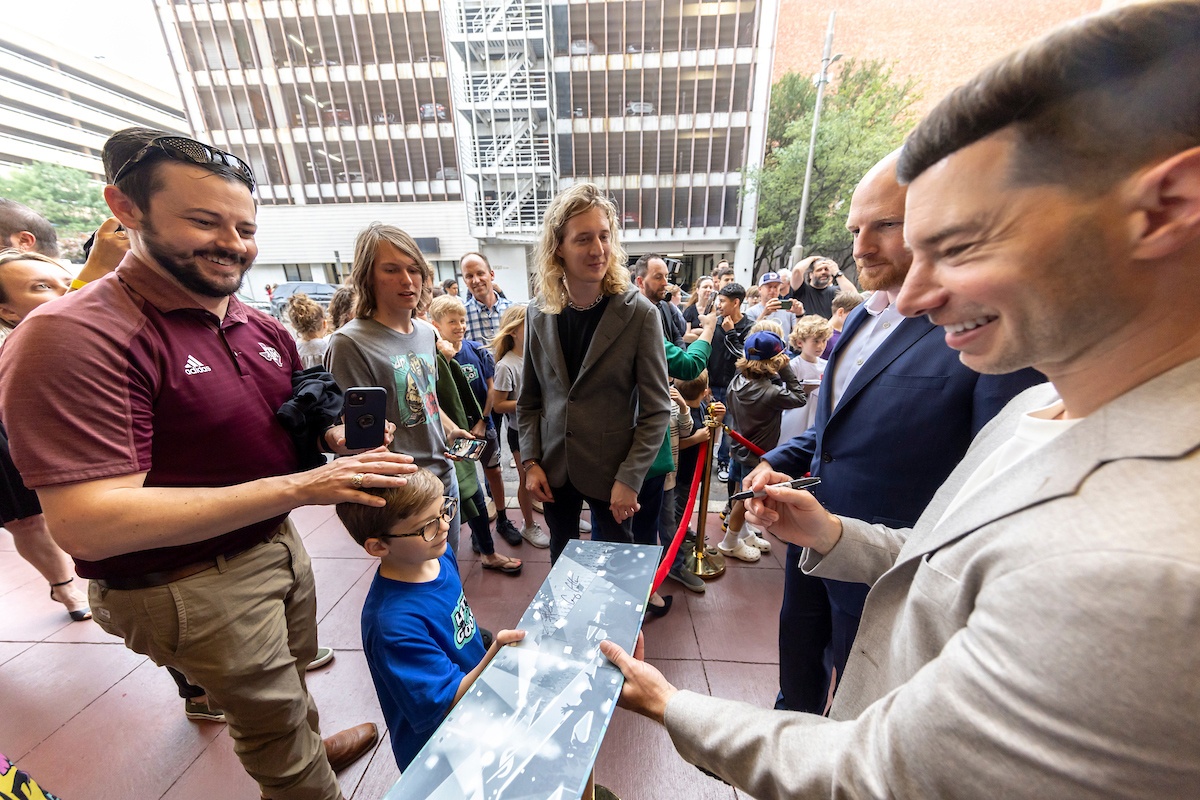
pixel 723 271
pixel 642 265
pixel 370 522
pixel 16 218
pixel 139 185
pixel 734 291
pixel 1090 102
pixel 446 284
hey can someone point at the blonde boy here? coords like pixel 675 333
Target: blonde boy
pixel 449 316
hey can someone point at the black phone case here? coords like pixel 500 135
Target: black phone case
pixel 365 423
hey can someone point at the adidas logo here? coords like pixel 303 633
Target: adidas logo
pixel 195 366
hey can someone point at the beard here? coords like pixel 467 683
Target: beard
pixel 883 277
pixel 183 267
pixel 821 282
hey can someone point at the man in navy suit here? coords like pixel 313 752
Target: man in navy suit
pixel 895 414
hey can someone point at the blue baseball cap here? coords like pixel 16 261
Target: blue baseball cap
pixel 762 346
pixel 769 277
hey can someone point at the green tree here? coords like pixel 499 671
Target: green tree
pixel 71 199
pixel 867 112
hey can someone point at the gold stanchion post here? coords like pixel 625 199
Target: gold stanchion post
pixel 702 561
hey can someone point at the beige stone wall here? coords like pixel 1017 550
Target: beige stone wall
pixel 940 43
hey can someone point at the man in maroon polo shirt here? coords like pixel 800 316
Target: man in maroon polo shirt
pixel 147 403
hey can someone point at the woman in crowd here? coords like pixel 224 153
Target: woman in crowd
pixel 593 408
pixel 27 280
pixel 308 318
pixel 697 304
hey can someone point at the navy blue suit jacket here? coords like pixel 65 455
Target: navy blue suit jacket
pixel 902 425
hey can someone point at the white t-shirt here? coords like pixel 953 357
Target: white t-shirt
pixel 1035 429
pixel 797 420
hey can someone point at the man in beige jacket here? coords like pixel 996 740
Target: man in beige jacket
pixel 1034 635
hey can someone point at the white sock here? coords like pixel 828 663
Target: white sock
pixel 732 538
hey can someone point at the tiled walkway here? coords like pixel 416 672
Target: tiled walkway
pixel 90 719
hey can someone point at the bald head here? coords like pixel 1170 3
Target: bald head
pixel 876 221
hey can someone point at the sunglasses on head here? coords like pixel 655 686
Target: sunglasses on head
pixel 189 151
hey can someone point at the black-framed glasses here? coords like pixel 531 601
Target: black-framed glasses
pixel 429 530
pixel 189 151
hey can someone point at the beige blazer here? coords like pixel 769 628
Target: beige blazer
pixel 609 424
pixel 1041 642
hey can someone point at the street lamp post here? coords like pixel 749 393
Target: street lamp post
pixel 822 78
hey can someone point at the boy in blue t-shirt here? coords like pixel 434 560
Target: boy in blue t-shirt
pixel 449 316
pixel 419 635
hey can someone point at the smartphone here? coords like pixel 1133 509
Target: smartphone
pixel 365 412
pixel 785 304
pixel 466 449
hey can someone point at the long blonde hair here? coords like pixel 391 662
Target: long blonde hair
pixel 366 250
pixel 582 197
pixel 510 321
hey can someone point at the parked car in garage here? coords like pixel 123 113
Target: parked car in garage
pixel 639 108
pixel 583 47
pixel 433 111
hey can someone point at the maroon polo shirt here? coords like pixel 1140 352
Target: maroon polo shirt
pixel 130 375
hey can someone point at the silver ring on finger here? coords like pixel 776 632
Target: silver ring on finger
pixel 357 480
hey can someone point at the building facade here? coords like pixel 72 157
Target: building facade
pixel 459 120
pixel 59 107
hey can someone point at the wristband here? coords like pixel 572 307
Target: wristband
pixel 529 461
pixel 78 284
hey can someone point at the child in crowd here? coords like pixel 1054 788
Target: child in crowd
pixel 508 346
pixel 763 389
pixel 694 393
pixel 808 340
pixel 341 307
pixel 308 318
pixel 449 316
pixel 843 303
pixel 419 635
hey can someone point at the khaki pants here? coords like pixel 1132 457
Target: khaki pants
pixel 244 630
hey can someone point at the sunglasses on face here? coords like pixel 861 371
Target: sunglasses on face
pixel 429 530
pixel 189 151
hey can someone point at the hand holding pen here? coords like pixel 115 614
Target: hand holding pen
pixel 799 483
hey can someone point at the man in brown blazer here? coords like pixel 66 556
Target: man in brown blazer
pixel 1034 635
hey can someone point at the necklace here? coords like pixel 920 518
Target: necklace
pixel 574 307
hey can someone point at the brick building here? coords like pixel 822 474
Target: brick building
pixel 939 43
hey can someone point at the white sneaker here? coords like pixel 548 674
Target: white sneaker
pixel 491 510
pixel 535 536
pixel 537 506
pixel 754 540
pixel 584 526
pixel 741 551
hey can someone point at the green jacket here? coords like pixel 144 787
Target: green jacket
pixel 457 401
pixel 685 365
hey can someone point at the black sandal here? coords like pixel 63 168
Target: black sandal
pixel 79 614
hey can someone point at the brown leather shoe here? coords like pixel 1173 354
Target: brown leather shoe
pixel 343 749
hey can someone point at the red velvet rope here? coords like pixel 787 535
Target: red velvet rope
pixel 744 442
pixel 669 557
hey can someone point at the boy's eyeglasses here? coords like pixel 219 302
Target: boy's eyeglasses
pixel 429 530
pixel 189 151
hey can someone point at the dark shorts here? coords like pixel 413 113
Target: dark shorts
pixel 490 458
pixel 16 501
pixel 514 439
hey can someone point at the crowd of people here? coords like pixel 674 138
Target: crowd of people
pixel 989 590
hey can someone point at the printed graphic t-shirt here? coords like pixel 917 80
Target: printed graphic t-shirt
pixel 364 353
pixel 420 640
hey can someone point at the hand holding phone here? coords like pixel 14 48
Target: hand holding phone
pixel 463 449
pixel 365 412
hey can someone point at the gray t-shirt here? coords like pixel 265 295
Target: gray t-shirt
pixel 365 353
pixel 508 379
